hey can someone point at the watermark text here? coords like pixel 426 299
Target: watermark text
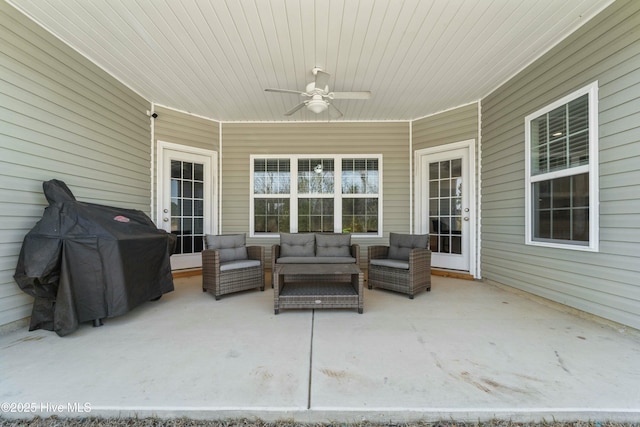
pixel 46 407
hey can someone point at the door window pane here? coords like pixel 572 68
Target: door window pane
pixel 187 205
pixel 456 245
pixel 445 206
pixel 198 172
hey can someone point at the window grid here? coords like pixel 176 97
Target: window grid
pixel 360 215
pixel 187 206
pixel 562 174
pixel 360 176
pixel 316 176
pixel 562 209
pixel 271 215
pixel 315 214
pixel 329 193
pixel 560 138
pixel 360 180
pixel 445 206
pixel 271 176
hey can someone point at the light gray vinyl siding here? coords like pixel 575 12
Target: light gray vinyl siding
pixel 60 117
pixel 458 124
pixel 455 125
pixel 184 129
pixel 606 49
pixel 240 140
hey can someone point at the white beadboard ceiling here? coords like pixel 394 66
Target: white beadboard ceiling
pixel 214 58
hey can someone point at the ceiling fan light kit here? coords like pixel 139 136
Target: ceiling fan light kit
pixel 318 92
pixel 317 105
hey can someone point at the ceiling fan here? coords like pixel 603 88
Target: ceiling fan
pixel 319 96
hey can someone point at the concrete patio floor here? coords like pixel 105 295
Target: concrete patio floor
pixel 466 351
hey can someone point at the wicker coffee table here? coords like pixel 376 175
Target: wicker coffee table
pixel 317 286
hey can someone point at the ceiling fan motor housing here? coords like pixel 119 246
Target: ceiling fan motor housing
pixel 311 88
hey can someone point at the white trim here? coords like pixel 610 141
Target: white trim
pixel 591 89
pixel 220 175
pixel 71 46
pixel 470 146
pixel 592 169
pixel 411 174
pixel 478 165
pixel 583 20
pixel 152 161
pixel 210 226
pixel 560 173
pixel 301 122
pixel 337 195
pixel 445 110
pixel 187 113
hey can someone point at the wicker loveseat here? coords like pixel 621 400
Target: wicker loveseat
pixel 403 266
pixel 315 248
pixel 228 265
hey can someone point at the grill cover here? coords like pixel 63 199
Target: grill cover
pixel 86 262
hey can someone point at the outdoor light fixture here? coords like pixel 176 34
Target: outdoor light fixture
pixel 317 104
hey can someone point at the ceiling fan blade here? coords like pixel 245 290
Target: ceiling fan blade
pixel 294 109
pixel 351 95
pixel 322 80
pixel 297 92
pixel 334 113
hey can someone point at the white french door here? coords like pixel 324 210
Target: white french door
pixel 445 204
pixel 186 202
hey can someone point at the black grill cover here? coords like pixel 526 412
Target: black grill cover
pixel 85 262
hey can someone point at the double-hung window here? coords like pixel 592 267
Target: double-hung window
pixel 315 195
pixel 271 195
pixel 360 195
pixel 562 172
pixel 329 193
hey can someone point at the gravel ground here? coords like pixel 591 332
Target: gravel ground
pixel 186 422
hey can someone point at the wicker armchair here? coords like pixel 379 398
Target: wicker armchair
pixel 228 265
pixel 403 266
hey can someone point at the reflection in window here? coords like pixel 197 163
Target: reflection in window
pixel 562 172
pixel 561 208
pixel 321 186
pixel 271 176
pixel 271 215
pixel 315 176
pixel 315 215
pixel 360 215
pixel 360 176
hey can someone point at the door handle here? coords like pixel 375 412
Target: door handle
pixel 466 218
pixel 165 219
